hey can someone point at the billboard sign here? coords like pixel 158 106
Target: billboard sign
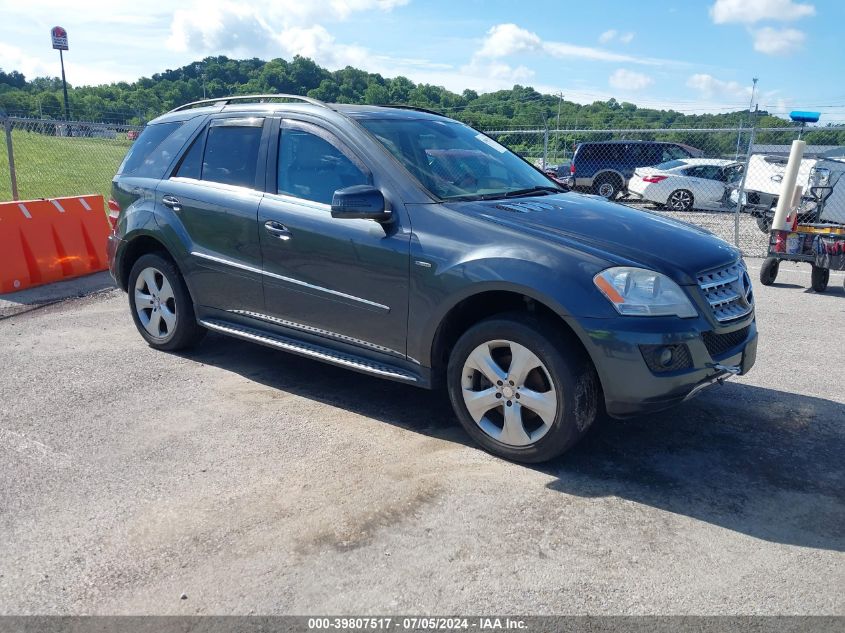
pixel 59 36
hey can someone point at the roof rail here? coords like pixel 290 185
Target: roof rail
pixel 223 101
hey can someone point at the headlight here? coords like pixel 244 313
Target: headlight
pixel 641 292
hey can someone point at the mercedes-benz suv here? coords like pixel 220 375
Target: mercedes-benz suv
pixel 409 246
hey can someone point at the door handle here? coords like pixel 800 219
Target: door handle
pixel 277 229
pixel 172 202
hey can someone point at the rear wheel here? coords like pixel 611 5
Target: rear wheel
pixel 680 200
pixel 161 305
pixel 819 278
pixel 520 392
pixel 607 186
pixel 769 271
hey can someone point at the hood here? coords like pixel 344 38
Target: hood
pixel 619 234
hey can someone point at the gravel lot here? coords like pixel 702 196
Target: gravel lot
pixel 252 481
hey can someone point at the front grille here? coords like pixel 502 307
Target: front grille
pixel 728 291
pixel 719 344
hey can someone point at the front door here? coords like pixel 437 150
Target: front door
pixel 346 280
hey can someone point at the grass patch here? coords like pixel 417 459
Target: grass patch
pixel 54 166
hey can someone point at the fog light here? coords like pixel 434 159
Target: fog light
pixel 666 356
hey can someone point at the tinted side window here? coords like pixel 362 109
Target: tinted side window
pixel 191 165
pixel 142 156
pixel 310 167
pixel 231 154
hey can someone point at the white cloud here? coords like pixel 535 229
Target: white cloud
pixel 608 36
pixel 709 87
pixel 751 11
pixel 629 80
pixel 778 41
pixel 626 38
pixel 504 40
pixel 266 27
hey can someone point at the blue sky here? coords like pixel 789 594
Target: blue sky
pixel 686 54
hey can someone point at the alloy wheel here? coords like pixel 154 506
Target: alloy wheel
pixel 509 393
pixel 680 200
pixel 155 303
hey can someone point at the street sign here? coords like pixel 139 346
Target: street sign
pixel 59 36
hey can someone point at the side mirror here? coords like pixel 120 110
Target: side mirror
pixel 360 202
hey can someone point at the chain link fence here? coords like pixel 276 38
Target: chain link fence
pixel 725 180
pixel 42 158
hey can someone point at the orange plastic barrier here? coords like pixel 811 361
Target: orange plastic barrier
pixel 42 241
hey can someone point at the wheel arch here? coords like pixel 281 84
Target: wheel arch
pixel 488 302
pixel 138 245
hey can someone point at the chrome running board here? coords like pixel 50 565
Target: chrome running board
pixel 309 350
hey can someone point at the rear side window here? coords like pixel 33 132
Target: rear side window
pixel 148 154
pixel 231 154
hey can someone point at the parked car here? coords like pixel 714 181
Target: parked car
pixel 685 184
pixel 762 186
pixel 559 173
pixel 344 234
pixel 604 167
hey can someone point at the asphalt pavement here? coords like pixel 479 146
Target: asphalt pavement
pixel 236 479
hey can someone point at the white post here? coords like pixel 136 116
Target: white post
pixel 787 186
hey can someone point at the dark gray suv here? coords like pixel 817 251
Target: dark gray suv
pixel 409 246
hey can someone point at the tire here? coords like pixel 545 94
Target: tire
pixel 554 376
pixel 680 200
pixel 161 305
pixel 764 223
pixel 607 186
pixel 819 278
pixel 769 271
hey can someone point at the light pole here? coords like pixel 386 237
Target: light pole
pixel 750 108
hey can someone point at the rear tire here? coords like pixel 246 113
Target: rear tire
pixel 520 390
pixel 764 223
pixel 769 271
pixel 680 200
pixel 161 305
pixel 607 186
pixel 819 278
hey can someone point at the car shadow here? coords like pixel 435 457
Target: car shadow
pixel 757 461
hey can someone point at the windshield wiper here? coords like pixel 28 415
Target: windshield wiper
pixel 515 193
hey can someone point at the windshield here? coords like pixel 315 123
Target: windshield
pixel 453 161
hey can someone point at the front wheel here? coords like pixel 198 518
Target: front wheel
pixel 521 391
pixel 819 278
pixel 161 305
pixel 769 271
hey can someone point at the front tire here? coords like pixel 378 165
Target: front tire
pixel 161 305
pixel 769 271
pixel 521 391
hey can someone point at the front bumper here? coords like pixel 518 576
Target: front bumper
pixel 632 388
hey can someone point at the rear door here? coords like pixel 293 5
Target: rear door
pixel 214 193
pixel 346 280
